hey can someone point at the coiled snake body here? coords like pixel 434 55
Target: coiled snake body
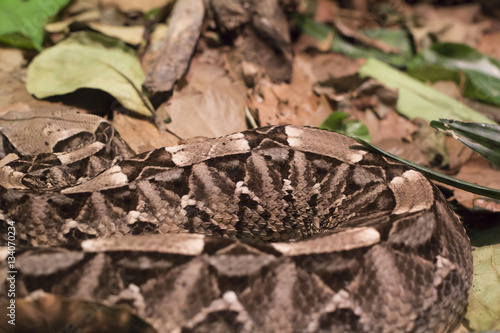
pixel 277 229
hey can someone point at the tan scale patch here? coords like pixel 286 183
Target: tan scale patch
pixel 195 153
pixel 323 142
pixel 109 179
pixel 412 191
pixel 343 241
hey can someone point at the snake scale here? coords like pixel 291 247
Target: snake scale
pixel 275 229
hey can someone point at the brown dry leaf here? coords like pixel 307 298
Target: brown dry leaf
pixel 458 153
pixel 293 103
pixel 134 5
pixel 13 94
pixel 326 11
pixel 177 48
pixel 263 39
pixel 305 42
pixel 490 45
pixel 451 24
pixel 448 88
pixel 466 14
pixel 140 134
pixel 210 105
pixel 478 170
pixel 403 137
pixel 331 65
pixel 252 49
pixel 375 106
pixel 407 150
pixel 392 126
pixel 449 30
pixel 10 60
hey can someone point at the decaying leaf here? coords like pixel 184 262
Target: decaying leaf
pixel 210 105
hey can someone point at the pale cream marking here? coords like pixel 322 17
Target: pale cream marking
pixel 342 241
pixel 444 267
pixel 294 136
pixel 293 132
pixel 132 216
pixel 356 155
pixel 111 178
pixel 11 179
pixel 295 140
pixel 184 244
pixel 7 159
pixel 186 200
pixel 412 191
pixel 80 154
pixel 195 153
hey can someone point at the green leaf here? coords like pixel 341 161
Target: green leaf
pixel 399 39
pixel 482 138
pixel 445 61
pixel 22 22
pixel 415 99
pixel 89 60
pixel 337 122
pixel 440 177
pixel 483 312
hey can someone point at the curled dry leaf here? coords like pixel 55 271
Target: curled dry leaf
pixel 477 170
pixel 140 134
pixel 264 37
pixel 13 94
pixel 293 103
pixel 178 46
pixel 210 105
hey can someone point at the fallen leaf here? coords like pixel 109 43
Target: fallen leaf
pixel 466 13
pixel 89 60
pixel 13 94
pixel 140 134
pixel 490 45
pixel 331 65
pixel 483 312
pixel 210 105
pixel 476 170
pixel 293 103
